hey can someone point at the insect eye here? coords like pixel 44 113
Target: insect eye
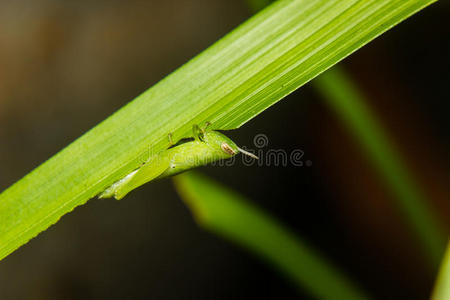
pixel 226 148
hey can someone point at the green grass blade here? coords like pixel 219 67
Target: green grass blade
pixel 349 103
pixel 224 212
pixel 442 287
pixel 256 65
pixel 257 5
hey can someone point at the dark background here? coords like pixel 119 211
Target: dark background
pixel 67 65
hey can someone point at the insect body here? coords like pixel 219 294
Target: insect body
pixel 207 146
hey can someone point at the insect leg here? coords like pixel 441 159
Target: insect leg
pixel 170 139
pixel 207 124
pixel 197 132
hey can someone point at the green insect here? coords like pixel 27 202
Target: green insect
pixel 207 146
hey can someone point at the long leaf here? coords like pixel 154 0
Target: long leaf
pixel 344 97
pixel 224 212
pixel 442 287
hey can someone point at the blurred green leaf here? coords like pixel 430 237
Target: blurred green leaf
pixel 253 67
pixel 224 212
pixel 442 288
pixel 350 104
pixel 257 5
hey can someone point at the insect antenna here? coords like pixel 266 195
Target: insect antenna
pixel 248 153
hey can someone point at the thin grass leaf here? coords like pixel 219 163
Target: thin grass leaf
pixel 349 103
pixel 256 65
pixel 442 286
pixel 226 213
pixel 257 5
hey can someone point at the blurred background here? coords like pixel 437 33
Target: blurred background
pixel 67 65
